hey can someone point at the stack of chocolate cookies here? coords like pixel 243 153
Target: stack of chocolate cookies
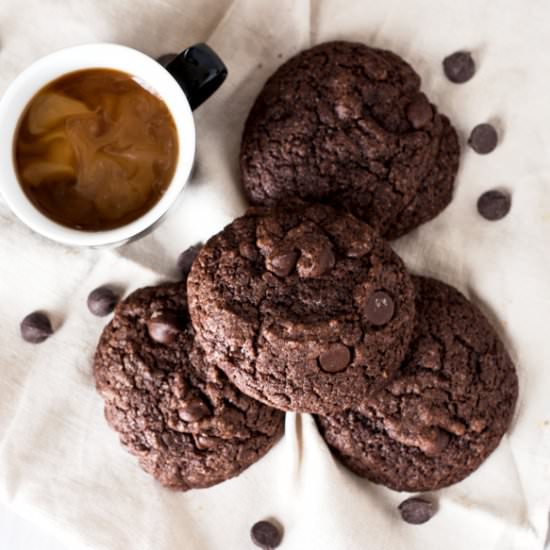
pixel 302 305
pixel 308 309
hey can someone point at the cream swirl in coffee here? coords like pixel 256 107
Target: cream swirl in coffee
pixel 95 150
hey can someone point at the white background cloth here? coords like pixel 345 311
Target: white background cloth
pixel 17 533
pixel 63 468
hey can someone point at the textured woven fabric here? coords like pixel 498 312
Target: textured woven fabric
pixel 61 466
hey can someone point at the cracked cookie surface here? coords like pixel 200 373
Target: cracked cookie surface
pixel 435 191
pixel 305 308
pixel 187 424
pixel 346 124
pixel 445 412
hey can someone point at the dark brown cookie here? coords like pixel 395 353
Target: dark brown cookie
pixel 346 124
pixel 453 400
pixel 186 423
pixel 304 308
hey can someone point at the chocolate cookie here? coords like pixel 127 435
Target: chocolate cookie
pixel 445 412
pixel 346 124
pixel 186 423
pixel 304 308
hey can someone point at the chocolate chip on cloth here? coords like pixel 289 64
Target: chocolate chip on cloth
pixel 102 301
pixel 186 259
pixel 459 67
pixel 445 412
pixel 186 423
pixel 416 510
pixel 347 125
pixel 36 328
pixel 290 320
pixel 494 205
pixel 483 139
pixel 266 535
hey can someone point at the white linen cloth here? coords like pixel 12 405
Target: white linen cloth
pixel 60 464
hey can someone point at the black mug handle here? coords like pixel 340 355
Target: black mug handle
pixel 199 71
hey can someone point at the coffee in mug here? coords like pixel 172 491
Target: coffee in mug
pixel 98 141
pixel 95 149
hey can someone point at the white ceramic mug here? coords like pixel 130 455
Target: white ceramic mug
pixel 183 85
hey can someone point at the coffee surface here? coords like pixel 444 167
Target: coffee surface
pixel 95 150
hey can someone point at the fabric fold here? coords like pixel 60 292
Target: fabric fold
pixel 62 467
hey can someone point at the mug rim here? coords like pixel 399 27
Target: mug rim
pixel 28 83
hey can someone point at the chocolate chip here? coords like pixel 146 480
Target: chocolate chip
pixel 248 250
pixel 419 112
pixel 316 264
pixel 416 510
pixel 335 359
pixel 483 139
pixel 349 106
pixel 205 442
pixel 186 259
pixel 282 264
pixel 102 301
pixel 436 444
pixel 167 58
pixel 194 409
pixel 380 308
pixel 494 205
pixel 459 67
pixel 266 535
pixel 163 327
pixel 35 328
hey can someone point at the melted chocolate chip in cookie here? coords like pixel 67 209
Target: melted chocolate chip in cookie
pixel 419 111
pixel 164 326
pixel 335 359
pixel 380 308
pixel 282 263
